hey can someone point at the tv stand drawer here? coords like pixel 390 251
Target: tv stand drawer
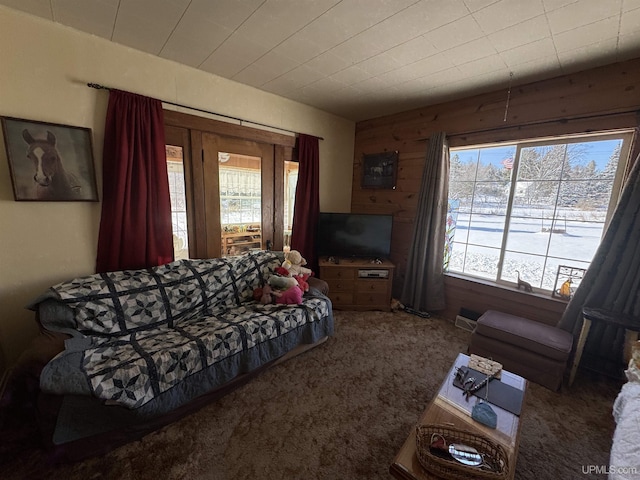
pixel 348 290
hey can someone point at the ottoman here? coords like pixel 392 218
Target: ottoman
pixel 533 350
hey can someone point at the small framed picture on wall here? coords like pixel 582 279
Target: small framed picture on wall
pixel 49 161
pixel 379 170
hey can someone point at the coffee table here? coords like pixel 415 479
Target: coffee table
pixel 449 407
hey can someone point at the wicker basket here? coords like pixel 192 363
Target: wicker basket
pixel 451 469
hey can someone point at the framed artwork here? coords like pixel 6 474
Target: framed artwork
pixel 49 161
pixel 567 280
pixel 379 170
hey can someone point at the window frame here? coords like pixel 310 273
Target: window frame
pixel 628 138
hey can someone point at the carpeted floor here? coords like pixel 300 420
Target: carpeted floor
pixel 341 411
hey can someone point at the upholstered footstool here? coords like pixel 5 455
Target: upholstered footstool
pixel 533 350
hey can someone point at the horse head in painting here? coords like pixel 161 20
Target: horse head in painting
pixel 53 182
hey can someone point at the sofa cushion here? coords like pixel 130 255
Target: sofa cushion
pixel 545 340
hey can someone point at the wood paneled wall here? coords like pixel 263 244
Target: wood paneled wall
pixel 604 98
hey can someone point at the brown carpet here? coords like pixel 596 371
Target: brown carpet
pixel 341 411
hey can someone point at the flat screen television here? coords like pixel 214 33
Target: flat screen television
pixel 354 235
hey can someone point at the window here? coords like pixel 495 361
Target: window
pixel 175 172
pixel 526 208
pixel 241 193
pixel 290 183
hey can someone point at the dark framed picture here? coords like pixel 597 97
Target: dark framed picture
pixel 379 170
pixel 49 161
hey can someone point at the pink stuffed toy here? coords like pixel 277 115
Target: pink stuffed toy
pixel 290 296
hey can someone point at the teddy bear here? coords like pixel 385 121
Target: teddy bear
pixel 294 262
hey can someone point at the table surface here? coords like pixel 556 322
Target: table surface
pixel 449 407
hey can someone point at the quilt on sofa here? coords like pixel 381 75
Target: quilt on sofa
pixel 153 339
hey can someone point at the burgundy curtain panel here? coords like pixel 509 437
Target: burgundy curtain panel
pixel 307 207
pixel 135 226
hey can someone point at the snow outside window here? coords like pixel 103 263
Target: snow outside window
pixel 530 207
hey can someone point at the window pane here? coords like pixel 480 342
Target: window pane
pixel 290 183
pixel 487 230
pixel 576 240
pixel 481 261
pixel 175 173
pixel 531 268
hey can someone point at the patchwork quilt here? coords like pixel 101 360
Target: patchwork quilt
pixel 154 339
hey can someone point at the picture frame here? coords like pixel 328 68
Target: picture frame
pixel 49 161
pixel 567 280
pixel 379 170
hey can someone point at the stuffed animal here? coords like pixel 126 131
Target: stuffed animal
pixel 294 262
pixel 291 296
pixel 263 295
pixel 282 283
pixel 302 282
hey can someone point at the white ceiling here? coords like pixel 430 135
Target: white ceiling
pixel 365 58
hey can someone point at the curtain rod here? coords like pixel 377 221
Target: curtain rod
pixel 543 122
pixel 97 86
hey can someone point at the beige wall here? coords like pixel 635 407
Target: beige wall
pixel 44 69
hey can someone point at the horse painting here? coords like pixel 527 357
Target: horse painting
pixel 52 181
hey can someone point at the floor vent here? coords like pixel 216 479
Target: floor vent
pixel 465 323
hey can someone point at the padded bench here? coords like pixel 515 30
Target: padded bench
pixel 533 350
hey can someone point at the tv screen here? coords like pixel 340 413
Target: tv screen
pixel 354 235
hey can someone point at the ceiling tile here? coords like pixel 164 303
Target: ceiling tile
pixel 471 51
pixel 328 63
pixel 413 50
pixel 297 78
pixel 630 22
pixel 351 75
pixel 527 53
pixel 505 13
pixel 276 21
pixel 40 8
pixel 586 35
pixel 493 63
pixel 271 65
pixel 136 28
pixel 628 5
pixel 551 5
pixel 588 56
pixel 521 33
pixel 243 50
pixel 379 64
pixel 582 13
pixel 453 34
pixel 475 5
pixel 92 16
pixel 230 14
pixel 187 51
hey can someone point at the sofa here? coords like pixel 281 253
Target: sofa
pixel 624 461
pixel 124 353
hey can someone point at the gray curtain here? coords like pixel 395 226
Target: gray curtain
pixel 424 280
pixel 612 281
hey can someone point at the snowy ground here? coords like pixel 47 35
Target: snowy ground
pixel 532 249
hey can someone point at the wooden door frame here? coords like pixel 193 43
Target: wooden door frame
pixel 204 244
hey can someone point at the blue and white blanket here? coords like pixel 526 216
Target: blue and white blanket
pixel 153 339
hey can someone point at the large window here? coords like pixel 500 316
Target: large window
pixel 526 208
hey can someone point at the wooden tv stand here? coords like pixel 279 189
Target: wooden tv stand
pixel 357 283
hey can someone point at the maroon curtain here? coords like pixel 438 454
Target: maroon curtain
pixel 135 227
pixel 307 207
